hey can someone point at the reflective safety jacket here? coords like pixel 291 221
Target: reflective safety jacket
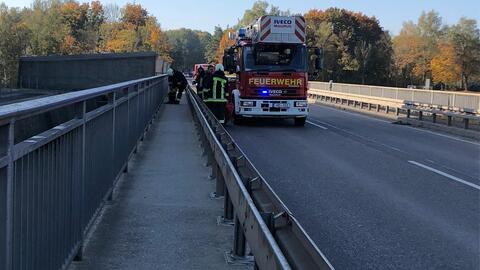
pixel 200 81
pixel 216 88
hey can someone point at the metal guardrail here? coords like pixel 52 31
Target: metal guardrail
pixel 53 183
pixel 464 102
pixel 274 236
pixel 387 104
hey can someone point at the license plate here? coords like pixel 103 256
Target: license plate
pixel 280 105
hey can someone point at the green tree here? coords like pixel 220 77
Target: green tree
pixel 355 48
pixel 466 41
pixel 259 8
pixel 188 47
pixel 15 36
pixel 44 20
pixel 212 46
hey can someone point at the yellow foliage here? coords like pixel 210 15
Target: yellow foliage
pixel 225 42
pixel 445 66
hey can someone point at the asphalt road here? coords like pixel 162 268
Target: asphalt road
pixel 372 194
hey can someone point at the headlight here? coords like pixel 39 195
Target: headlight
pixel 248 103
pixel 301 104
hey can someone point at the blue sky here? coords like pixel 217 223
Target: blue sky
pixel 205 14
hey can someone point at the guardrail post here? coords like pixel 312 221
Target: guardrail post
pixel 420 115
pixel 397 111
pixel 465 122
pixel 238 256
pixel 369 106
pixel 449 121
pixel 378 107
pixel 227 207
pixel 239 241
pixel 10 139
pixel 387 108
pixel 434 117
pixel 220 183
pixel 408 113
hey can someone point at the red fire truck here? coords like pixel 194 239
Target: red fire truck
pixel 269 58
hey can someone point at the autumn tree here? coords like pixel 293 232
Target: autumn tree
pixel 445 66
pixel 225 42
pixel 82 26
pixel 135 31
pixel 416 45
pixel 408 47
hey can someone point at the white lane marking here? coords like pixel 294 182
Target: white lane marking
pixel 413 128
pixel 317 125
pixel 357 114
pixel 446 136
pixel 363 138
pixel 445 174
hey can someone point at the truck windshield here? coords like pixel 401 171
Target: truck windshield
pixel 275 57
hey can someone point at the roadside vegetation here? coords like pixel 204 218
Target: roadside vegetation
pixel 356 48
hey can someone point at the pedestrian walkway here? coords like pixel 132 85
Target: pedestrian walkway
pixel 162 216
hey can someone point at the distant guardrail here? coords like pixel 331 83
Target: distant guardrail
pixel 389 104
pixel 55 179
pixel 274 236
pixel 463 102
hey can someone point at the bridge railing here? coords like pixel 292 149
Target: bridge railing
pixel 464 102
pixel 55 178
pixel 261 220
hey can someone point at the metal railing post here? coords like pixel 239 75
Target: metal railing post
pixel 9 203
pixel 113 102
pixel 125 170
pixel 81 112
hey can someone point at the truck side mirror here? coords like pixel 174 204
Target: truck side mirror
pixel 318 63
pixel 229 63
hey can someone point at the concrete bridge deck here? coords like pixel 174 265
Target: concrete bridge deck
pixel 161 216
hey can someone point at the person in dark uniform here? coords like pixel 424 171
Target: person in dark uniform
pixel 177 83
pixel 208 82
pixel 216 98
pixel 199 79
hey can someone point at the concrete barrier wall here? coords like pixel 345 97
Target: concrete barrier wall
pixel 70 73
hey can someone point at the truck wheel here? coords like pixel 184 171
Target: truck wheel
pixel 300 122
pixel 237 120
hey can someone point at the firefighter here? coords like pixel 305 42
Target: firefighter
pixel 177 83
pixel 199 79
pixel 216 99
pixel 208 82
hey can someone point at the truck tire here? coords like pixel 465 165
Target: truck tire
pixel 300 121
pixel 237 120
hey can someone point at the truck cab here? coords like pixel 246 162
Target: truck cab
pixel 270 61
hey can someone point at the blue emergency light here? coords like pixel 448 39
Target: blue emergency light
pixel 242 32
